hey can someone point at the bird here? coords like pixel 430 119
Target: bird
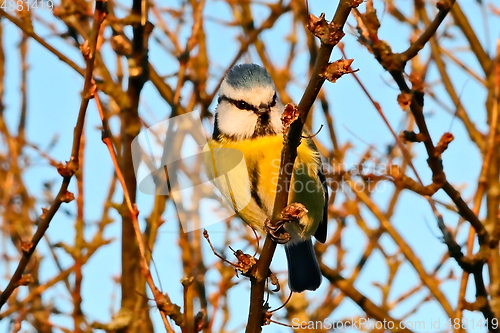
pixel 248 121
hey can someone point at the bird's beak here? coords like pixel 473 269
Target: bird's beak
pixel 263 109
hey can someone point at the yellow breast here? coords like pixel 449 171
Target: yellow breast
pixel 262 158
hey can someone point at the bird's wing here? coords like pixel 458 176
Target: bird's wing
pixel 321 232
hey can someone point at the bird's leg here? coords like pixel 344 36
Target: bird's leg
pixel 277 231
pixel 293 212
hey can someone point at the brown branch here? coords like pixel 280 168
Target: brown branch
pixel 492 221
pixel 162 300
pixel 429 281
pixel 460 64
pixel 72 166
pixel 371 309
pixel 390 61
pixel 475 135
pixel 37 292
pixel 403 181
pixel 108 87
pixel 463 23
pixel 80 243
pixel 2 70
pixel 131 244
pixel 330 35
pixel 429 32
pixel 190 44
pixel 23 48
pixel 434 162
pixel 28 29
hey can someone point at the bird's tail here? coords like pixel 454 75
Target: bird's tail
pixel 303 268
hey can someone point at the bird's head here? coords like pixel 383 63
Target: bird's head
pixel 248 104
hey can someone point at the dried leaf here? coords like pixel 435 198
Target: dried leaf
pixel 245 261
pixel 172 310
pixel 444 5
pixel 275 282
pixel 199 321
pixel 356 3
pixel 317 25
pixel 410 136
pixel 328 33
pixel 121 45
pixel 338 68
pixel 416 81
pixel 290 114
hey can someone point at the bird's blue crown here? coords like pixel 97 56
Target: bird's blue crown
pixel 247 76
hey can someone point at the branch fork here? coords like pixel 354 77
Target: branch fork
pixel 410 136
pixel 67 169
pixel 246 262
pixel 402 180
pixel 329 33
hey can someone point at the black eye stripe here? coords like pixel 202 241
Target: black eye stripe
pixel 239 104
pixel 242 105
pixel 273 103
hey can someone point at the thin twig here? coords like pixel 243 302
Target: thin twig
pixel 161 299
pixel 72 166
pixel 29 31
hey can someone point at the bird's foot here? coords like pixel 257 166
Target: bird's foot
pixel 293 212
pixel 277 231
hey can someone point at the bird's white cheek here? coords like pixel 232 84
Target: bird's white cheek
pixel 276 118
pixel 236 123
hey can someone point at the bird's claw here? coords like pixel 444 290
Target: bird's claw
pixel 277 231
pixel 294 211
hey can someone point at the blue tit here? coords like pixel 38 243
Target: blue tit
pixel 248 119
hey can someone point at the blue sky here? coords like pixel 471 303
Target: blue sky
pixel 54 98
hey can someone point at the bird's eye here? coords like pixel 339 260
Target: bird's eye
pixel 273 103
pixel 242 105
